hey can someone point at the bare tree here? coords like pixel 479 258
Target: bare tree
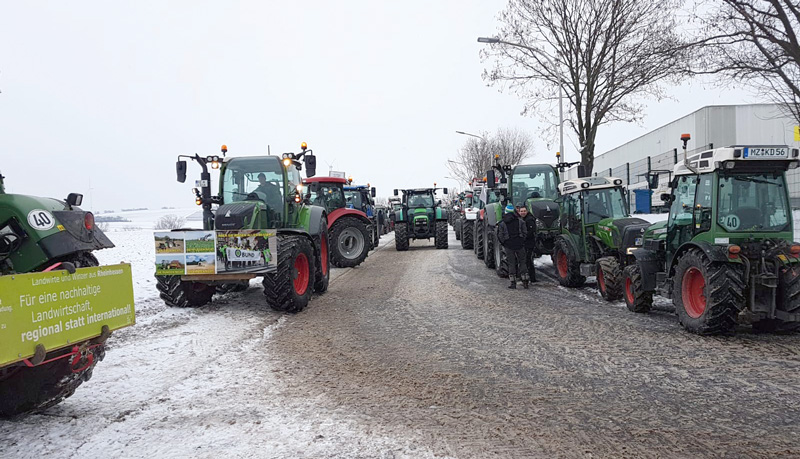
pixel 756 42
pixel 170 221
pixel 604 54
pixel 477 155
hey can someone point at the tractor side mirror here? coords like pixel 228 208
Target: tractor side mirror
pixel 373 191
pixel 74 199
pixel 311 165
pixel 395 192
pixel 581 170
pixel 490 179
pixel 666 197
pixel 180 167
pixel 653 181
pixel 444 190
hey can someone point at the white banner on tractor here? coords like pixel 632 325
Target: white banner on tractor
pixel 243 255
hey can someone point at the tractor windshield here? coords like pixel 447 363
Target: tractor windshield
pixel 468 201
pixel 605 203
pixel 329 195
pixel 753 202
pixel 420 200
pixel 257 178
pixel 354 199
pixel 534 181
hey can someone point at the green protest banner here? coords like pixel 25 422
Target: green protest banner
pixel 57 309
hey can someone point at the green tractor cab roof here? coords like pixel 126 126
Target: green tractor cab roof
pixel 740 157
pixel 588 183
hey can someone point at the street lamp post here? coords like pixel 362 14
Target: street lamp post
pixel 560 90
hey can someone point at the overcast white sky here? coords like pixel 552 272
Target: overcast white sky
pixel 100 97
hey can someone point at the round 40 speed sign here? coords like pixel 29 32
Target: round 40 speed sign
pixel 41 220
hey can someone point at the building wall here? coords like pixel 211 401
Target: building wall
pixel 757 124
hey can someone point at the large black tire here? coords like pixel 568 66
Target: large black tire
pixel 500 259
pixel 400 236
pixel 322 273
pixel 568 268
pixel 707 296
pixel 24 389
pixel 178 293
pixel 488 247
pixel 233 287
pixel 636 298
pixel 440 238
pixel 466 234
pixel 376 238
pixel 609 278
pixel 289 289
pixel 478 245
pixel 788 300
pixel 457 226
pixel 350 242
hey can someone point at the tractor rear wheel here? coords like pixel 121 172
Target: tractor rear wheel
pixel 636 298
pixel 350 242
pixel 400 236
pixel 609 278
pixel 27 389
pixel 457 227
pixel 707 296
pixel 466 235
pixel 178 293
pixel 322 273
pixel 787 300
pixel 289 289
pixel 478 245
pixel 440 238
pixel 488 247
pixel 500 260
pixel 568 269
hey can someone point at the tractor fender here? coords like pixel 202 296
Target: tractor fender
pixel 491 217
pixel 317 214
pixel 649 264
pixel 297 232
pixel 715 253
pixel 339 213
pixel 441 214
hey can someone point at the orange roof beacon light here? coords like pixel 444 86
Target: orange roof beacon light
pixel 304 146
pixel 224 149
pixel 686 137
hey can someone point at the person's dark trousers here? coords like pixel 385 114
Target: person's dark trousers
pixel 516 262
pixel 529 253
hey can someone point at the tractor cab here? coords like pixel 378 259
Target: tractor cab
pixel 360 198
pixel 421 216
pixel 327 192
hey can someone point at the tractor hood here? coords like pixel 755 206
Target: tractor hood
pixel 49 229
pixel 237 215
pixel 545 210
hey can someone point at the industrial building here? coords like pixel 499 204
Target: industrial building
pixel 711 126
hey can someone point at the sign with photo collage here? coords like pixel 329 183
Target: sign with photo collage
pixel 189 253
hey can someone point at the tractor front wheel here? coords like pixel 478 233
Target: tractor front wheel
pixel 500 259
pixel 707 296
pixel 478 244
pixel 440 238
pixel 568 269
pixel 609 278
pixel 488 247
pixel 289 289
pixel 178 293
pixel 401 236
pixel 350 242
pixel 466 235
pixel 636 298
pixel 322 274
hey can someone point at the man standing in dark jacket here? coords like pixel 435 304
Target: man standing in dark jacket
pixel 530 240
pixel 511 234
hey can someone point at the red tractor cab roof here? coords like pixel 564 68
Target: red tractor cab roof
pixel 325 180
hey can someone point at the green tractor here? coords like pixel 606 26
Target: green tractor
pixel 259 193
pixel 532 185
pixel 50 339
pixel 598 236
pixel 421 216
pixel 726 251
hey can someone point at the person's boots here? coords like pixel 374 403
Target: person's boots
pixel 525 281
pixel 513 282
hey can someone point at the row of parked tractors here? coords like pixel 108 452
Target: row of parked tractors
pixel 725 255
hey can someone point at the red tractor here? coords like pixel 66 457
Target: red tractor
pixel 350 230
